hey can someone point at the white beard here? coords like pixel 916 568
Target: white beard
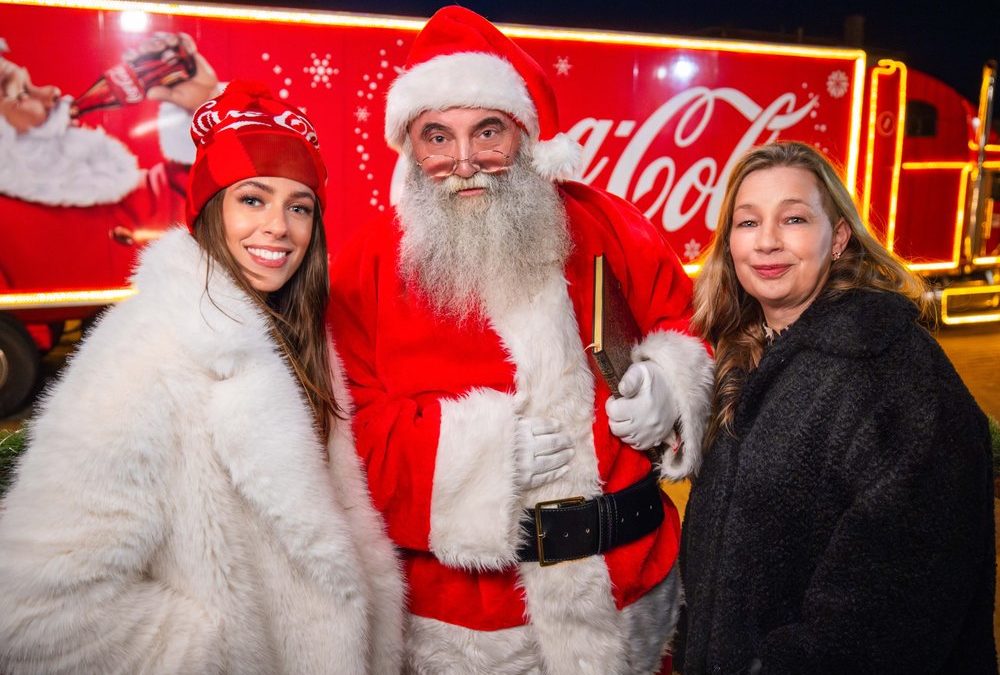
pixel 63 165
pixel 467 253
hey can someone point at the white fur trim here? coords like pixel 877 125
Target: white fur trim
pixel 689 372
pixel 557 158
pixel 224 327
pixel 570 606
pixel 62 165
pixel 174 125
pixel 384 575
pixel 464 80
pixel 437 648
pixel 475 519
pixel 652 622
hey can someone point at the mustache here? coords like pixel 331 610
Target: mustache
pixel 455 183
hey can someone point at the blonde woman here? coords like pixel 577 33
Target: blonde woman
pixel 842 521
pixel 190 500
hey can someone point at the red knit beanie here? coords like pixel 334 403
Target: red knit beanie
pixel 246 132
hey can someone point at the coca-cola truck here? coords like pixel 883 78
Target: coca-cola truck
pixel 661 120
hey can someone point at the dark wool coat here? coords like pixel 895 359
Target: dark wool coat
pixel 848 525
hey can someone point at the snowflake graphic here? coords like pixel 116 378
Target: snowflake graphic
pixel 320 71
pixel 373 81
pixel 692 249
pixel 562 65
pixel 837 83
pixel 286 82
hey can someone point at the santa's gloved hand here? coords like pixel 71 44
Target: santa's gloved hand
pixel 645 413
pixel 541 451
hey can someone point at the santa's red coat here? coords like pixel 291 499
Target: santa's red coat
pixel 436 403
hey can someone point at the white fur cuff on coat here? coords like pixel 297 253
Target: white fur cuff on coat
pixel 174 125
pixel 689 372
pixel 475 514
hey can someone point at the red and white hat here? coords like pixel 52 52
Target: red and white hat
pixel 461 60
pixel 246 132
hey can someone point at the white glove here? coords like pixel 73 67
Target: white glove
pixel 645 413
pixel 541 451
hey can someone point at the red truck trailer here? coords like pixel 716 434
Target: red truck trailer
pixel 661 120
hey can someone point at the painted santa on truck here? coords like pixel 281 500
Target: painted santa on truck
pixel 80 185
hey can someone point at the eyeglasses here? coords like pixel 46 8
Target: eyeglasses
pixel 484 161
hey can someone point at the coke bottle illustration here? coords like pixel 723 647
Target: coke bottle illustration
pixel 128 81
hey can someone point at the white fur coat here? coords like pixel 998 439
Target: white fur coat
pixel 174 512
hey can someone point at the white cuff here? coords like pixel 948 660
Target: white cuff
pixel 689 372
pixel 174 126
pixel 475 510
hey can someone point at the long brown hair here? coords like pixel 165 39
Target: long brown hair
pixel 296 312
pixel 732 320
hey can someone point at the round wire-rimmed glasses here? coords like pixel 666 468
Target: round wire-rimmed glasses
pixel 484 161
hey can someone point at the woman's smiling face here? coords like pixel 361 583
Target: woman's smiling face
pixel 268 223
pixel 782 241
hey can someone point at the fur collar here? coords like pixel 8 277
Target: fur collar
pixel 855 324
pixel 219 325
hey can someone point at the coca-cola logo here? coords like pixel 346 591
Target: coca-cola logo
pixel 124 82
pixel 686 184
pixel 660 169
pixel 209 121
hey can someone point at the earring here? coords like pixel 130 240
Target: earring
pixel 836 255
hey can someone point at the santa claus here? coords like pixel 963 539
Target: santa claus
pixel 535 536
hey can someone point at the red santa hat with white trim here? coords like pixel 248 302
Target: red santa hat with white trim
pixel 461 60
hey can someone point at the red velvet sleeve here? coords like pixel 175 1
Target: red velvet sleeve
pixel 396 437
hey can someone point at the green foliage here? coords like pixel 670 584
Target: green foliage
pixel 11 445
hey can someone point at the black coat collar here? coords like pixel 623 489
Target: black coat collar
pixel 853 324
pixel 858 324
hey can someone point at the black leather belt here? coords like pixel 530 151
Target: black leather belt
pixel 573 528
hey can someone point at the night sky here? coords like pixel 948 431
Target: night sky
pixel 949 39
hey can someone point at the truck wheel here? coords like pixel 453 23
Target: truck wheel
pixel 18 366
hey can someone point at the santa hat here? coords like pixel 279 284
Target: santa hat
pixel 246 132
pixel 461 60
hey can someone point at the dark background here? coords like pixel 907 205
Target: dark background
pixel 949 39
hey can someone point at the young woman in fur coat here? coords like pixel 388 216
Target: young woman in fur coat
pixel 190 500
pixel 842 521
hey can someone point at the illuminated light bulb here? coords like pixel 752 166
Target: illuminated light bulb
pixel 683 69
pixel 133 21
